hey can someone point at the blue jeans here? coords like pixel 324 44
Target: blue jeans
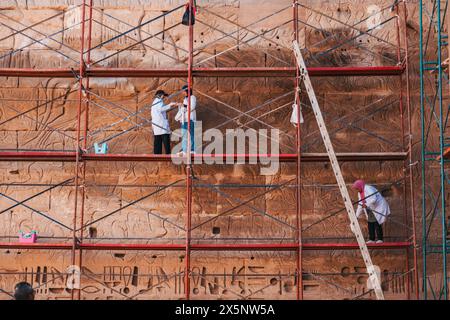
pixel 184 127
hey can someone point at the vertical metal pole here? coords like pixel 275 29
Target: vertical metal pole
pixel 86 126
pixel 422 120
pixel 78 146
pixel 441 151
pixel 410 156
pixel 402 120
pixel 88 62
pixel 188 157
pixel 402 117
pixel 397 26
pixel 408 278
pixel 298 168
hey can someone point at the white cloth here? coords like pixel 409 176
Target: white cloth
pixel 294 115
pixel 375 202
pixel 181 115
pixel 160 123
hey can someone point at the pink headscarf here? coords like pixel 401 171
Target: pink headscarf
pixel 359 185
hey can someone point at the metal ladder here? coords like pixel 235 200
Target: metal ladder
pixel 354 225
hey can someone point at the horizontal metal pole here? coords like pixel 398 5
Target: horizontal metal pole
pixel 37 156
pixel 204 72
pixel 205 247
pixel 306 157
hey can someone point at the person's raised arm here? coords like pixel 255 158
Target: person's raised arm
pixel 167 107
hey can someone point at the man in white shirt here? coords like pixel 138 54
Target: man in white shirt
pixel 160 123
pixel 182 116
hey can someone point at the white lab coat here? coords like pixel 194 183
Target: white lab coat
pixel 160 123
pixel 181 115
pixel 374 202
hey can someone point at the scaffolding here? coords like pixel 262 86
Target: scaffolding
pixel 435 146
pixel 84 67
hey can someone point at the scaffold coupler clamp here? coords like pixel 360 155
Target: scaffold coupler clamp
pixel 412 164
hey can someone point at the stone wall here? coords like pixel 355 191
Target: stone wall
pixel 51 126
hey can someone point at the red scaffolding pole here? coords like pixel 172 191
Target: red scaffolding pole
pixel 207 247
pixel 298 195
pixel 187 272
pixel 204 72
pixel 82 167
pixel 78 161
pixel 305 157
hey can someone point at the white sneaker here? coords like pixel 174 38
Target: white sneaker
pixel 379 241
pixel 370 241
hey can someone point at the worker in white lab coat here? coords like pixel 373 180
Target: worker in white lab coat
pixel 160 123
pixel 375 207
pixel 182 117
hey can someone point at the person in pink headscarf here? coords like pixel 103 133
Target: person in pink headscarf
pixel 375 207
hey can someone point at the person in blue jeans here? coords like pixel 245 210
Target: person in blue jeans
pixel 182 116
